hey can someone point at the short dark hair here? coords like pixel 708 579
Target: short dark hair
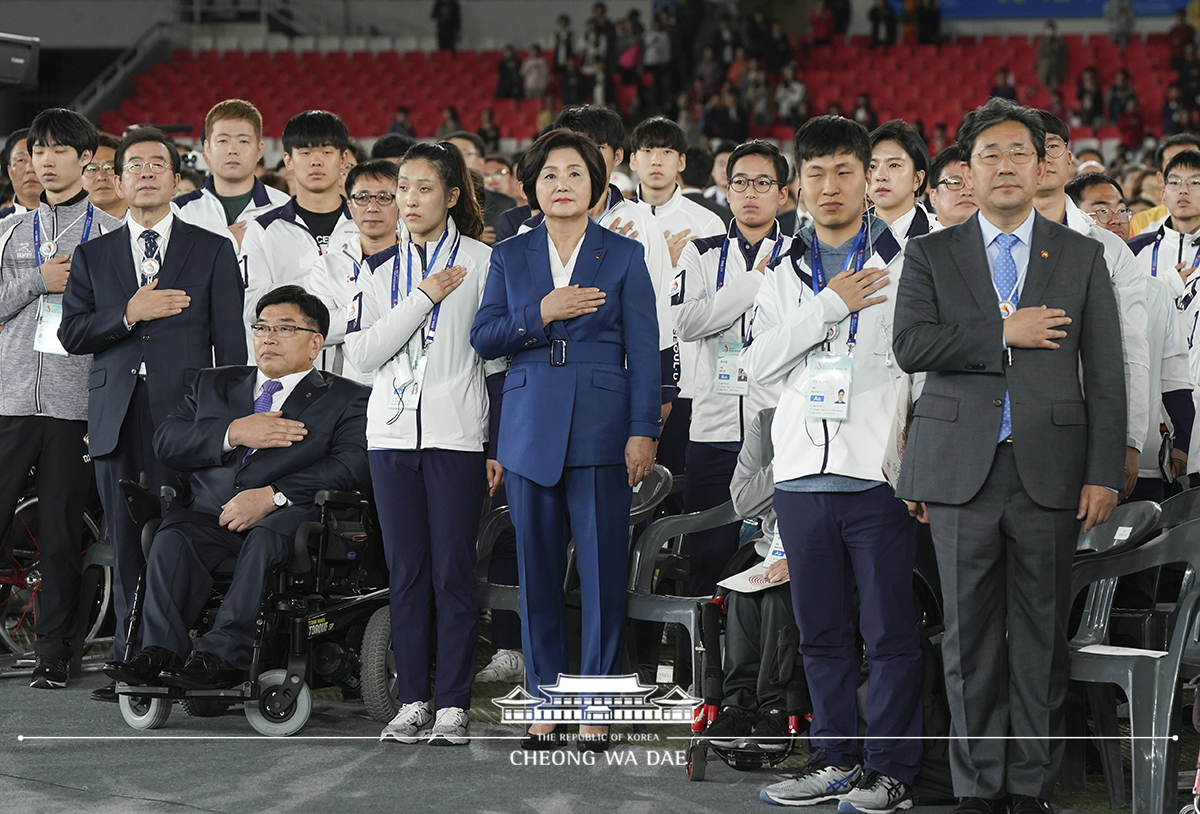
pixel 601 125
pixel 315 128
pixel 1054 126
pixel 1174 141
pixel 393 145
pixel 63 127
pixel 699 167
pixel 310 305
pixel 658 132
pixel 378 168
pixel 474 138
pixel 1187 160
pixel 998 111
pixel 1082 183
pixel 195 176
pixel 563 139
pixel 830 135
pixel 910 141
pixel 10 144
pixel 500 158
pixel 144 135
pixel 451 168
pixel 950 154
pixel 767 150
pixel 107 140
pixel 360 152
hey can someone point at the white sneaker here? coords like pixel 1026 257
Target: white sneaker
pixel 815 784
pixel 876 793
pixel 410 725
pixel 451 728
pixel 506 665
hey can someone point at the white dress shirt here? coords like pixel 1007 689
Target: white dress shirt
pixel 278 399
pixel 163 228
pixel 562 273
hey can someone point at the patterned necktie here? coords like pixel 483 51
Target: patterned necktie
pixel 262 404
pixel 1005 277
pixel 150 241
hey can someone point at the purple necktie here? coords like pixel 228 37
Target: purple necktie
pixel 262 404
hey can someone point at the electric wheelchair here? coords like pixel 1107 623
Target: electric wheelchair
pixel 310 630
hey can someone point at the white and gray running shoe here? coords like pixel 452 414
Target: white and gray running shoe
pixel 410 725
pixel 451 728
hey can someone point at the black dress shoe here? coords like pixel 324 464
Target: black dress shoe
pixel 107 693
pixel 1020 804
pixel 144 668
pixel 204 671
pixel 533 742
pixel 978 805
pixel 592 743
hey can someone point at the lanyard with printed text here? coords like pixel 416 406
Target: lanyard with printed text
pixel 1154 256
pixel 433 317
pixel 855 258
pixel 778 247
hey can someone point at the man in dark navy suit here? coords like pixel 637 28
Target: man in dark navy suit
pixel 258 444
pixel 153 302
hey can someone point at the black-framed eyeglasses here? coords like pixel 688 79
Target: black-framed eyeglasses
pixel 260 329
pixel 364 198
pixel 761 184
pixel 953 184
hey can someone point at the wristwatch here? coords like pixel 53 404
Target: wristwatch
pixel 278 498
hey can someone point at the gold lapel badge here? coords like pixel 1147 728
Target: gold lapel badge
pixel 1045 255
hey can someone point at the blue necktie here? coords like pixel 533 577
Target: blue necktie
pixel 150 241
pixel 1005 277
pixel 262 404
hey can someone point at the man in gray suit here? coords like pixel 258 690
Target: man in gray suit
pixel 1013 318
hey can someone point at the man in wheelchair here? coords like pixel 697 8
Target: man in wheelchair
pixel 257 444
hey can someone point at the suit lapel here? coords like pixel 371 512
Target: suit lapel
pixel 1042 261
pixel 971 258
pixel 177 253
pixel 126 270
pixel 537 255
pixel 241 394
pixel 306 392
pixel 591 255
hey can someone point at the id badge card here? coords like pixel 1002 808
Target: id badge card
pixel 46 338
pixel 776 551
pixel 731 379
pixel 828 393
pixel 406 397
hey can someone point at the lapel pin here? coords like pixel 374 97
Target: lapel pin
pixel 1045 255
pixel 597 255
pixel 308 395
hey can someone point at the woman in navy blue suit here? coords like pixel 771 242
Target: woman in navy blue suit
pixel 573 305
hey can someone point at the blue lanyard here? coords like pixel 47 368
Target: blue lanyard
pixel 437 309
pixel 37 228
pixel 856 258
pixel 775 250
pixel 1154 256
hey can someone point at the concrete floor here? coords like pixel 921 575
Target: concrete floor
pixel 62 752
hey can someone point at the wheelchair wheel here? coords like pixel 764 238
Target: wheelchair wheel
pixel 144 712
pixel 379 668
pixel 697 762
pixel 289 721
pixel 203 707
pixel 20 579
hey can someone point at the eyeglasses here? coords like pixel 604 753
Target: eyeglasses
pixel 1055 150
pixel 1019 155
pixel 108 168
pixel 283 331
pixel 492 176
pixel 1176 184
pixel 364 199
pixel 952 184
pixel 1108 215
pixel 153 167
pixel 761 184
